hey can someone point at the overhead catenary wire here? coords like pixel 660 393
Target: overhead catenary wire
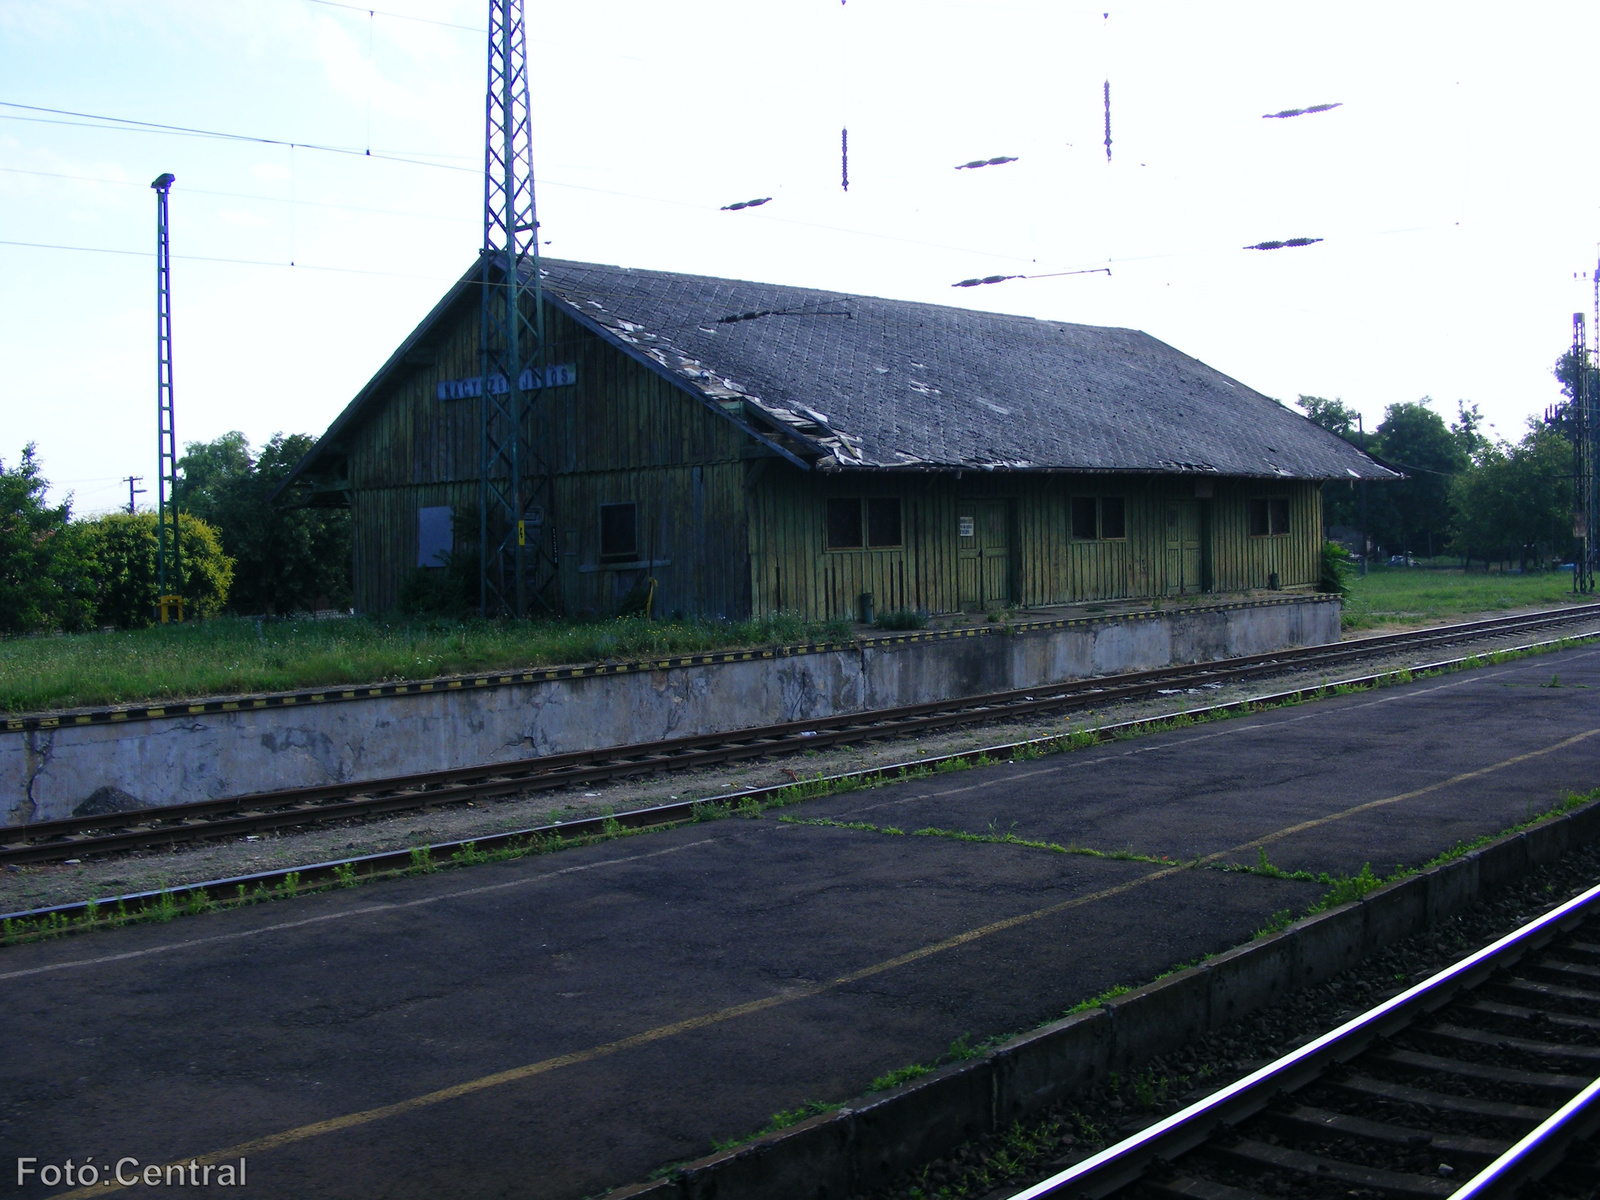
pixel 1045 275
pixel 131 124
pixel 1301 112
pixel 361 8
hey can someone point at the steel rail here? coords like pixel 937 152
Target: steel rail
pixel 1539 1152
pixel 677 811
pixel 71 837
pixel 1126 1162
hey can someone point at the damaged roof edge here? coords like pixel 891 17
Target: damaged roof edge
pixel 667 373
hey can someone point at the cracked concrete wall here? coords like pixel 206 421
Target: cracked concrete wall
pixel 46 774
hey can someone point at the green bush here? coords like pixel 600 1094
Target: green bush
pixel 1335 578
pixel 902 618
pixel 124 549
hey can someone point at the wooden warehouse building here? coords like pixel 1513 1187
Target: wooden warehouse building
pixel 758 449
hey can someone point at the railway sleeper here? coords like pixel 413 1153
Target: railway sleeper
pixel 1255 1156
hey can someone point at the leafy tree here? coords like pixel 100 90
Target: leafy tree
pixel 286 559
pixel 125 559
pixel 1467 429
pixel 1414 514
pixel 1341 501
pixel 46 564
pixel 1334 415
pixel 1515 501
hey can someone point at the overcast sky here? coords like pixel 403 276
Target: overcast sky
pixel 1454 188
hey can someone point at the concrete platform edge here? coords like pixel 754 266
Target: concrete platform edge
pixel 869 1141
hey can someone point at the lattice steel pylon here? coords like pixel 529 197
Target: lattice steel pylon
pixel 516 526
pixel 168 555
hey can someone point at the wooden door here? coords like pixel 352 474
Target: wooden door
pixel 983 558
pixel 1185 562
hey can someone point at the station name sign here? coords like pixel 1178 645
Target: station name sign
pixel 560 375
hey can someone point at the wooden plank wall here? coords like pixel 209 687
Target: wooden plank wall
pixel 1239 561
pixel 741 535
pixel 622 434
pixel 793 571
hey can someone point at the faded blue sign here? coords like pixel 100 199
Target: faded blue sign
pixel 560 375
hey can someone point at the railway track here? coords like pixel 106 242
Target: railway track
pixel 1478 1082
pixel 80 837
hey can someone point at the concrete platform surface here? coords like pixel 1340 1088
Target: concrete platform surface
pixel 558 1025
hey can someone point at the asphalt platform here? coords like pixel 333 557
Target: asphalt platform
pixel 562 1024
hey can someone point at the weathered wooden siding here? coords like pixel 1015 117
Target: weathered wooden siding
pixel 793 570
pixel 621 434
pixel 1240 561
pixel 727 532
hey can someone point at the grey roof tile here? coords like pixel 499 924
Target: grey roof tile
pixel 893 383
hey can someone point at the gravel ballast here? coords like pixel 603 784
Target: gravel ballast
pixel 38 886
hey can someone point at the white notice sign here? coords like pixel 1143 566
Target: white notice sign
pixel 965 523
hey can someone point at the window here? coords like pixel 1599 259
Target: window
pixel 435 535
pixel 1269 516
pixel 619 532
pixel 1094 518
pixel 844 524
pixel 883 522
pixel 1085 524
pixel 1113 517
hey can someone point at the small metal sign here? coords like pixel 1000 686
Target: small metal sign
pixel 965 527
pixel 560 375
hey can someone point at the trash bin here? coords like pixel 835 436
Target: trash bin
pixel 864 608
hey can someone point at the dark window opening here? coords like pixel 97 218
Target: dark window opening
pixel 883 522
pixel 619 531
pixel 1113 517
pixel 1085 525
pixel 1269 516
pixel 844 524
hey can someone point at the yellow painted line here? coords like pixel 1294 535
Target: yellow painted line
pixel 302 1133
pixel 721 1016
pixel 1412 795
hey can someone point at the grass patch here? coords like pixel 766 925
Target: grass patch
pixel 1422 596
pixel 989 839
pixel 786 1119
pixel 165 904
pixel 243 654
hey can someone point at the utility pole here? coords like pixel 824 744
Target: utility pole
pixel 1583 461
pixel 516 526
pixel 1365 544
pixel 169 586
pixel 130 480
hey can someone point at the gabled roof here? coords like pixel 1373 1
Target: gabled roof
pixel 850 382
pixel 893 383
